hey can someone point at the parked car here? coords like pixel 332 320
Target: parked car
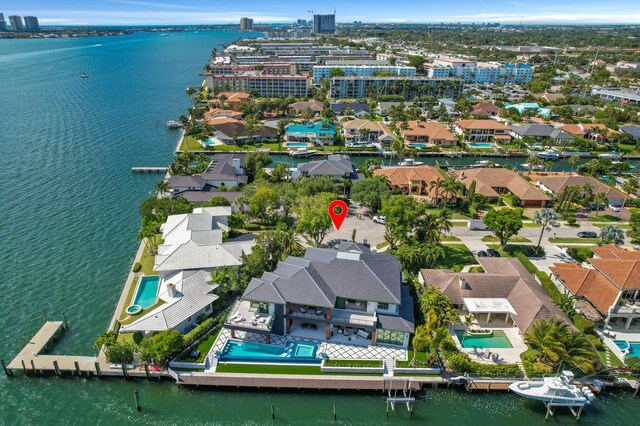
pixel 587 234
pixel 379 219
pixel 482 253
pixel 493 253
pixel 595 207
pixel 476 225
pixel 615 208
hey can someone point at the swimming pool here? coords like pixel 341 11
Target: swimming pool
pixel 418 145
pixel 147 290
pixel 297 144
pixel 238 350
pixel 634 348
pixel 497 340
pixel 480 145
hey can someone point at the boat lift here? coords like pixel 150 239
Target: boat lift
pixel 404 398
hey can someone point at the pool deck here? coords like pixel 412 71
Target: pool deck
pixel 506 355
pixel 127 287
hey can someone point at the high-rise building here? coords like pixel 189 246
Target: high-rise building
pixel 246 24
pixel 31 23
pixel 3 23
pixel 324 24
pixel 302 23
pixel 16 23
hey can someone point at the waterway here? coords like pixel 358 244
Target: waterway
pixel 68 222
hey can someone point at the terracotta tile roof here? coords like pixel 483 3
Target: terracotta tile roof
pixel 234 96
pixel 574 129
pixel 361 123
pixel 485 108
pixel 399 176
pixel 558 184
pixel 588 283
pixel 431 129
pixel 624 273
pixel 489 178
pixel 481 125
pixel 214 113
pixel 612 252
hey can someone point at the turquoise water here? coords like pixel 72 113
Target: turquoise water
pixel 634 347
pixel 297 144
pixel 147 291
pixel 480 145
pixel 238 350
pixel 495 340
pixel 418 145
pixel 69 238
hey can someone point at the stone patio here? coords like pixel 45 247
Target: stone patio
pixel 505 355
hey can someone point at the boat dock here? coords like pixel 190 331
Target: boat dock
pixel 148 169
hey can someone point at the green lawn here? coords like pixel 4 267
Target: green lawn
pixel 190 143
pixel 267 369
pixel 147 263
pixel 530 225
pixel 203 347
pixel 604 218
pixel 602 225
pixel 615 361
pixel 382 245
pixel 449 238
pixel 493 239
pixel 420 362
pixel 458 215
pixel 353 363
pixel 456 256
pixel 574 240
pixel 127 301
pixel 510 250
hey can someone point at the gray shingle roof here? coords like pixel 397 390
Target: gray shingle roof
pixel 631 129
pixel 405 321
pixel 334 166
pixel 540 130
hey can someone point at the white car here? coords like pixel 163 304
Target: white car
pixel 379 219
pixel 615 208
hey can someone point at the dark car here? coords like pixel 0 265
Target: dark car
pixel 587 234
pixel 493 253
pixel 482 253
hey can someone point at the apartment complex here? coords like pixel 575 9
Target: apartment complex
pixel 261 84
pixel 480 72
pixel 3 23
pixel 31 23
pixel 324 24
pixel 246 24
pixel 409 87
pixel 361 68
pixel 16 23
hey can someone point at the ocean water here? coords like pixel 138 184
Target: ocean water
pixel 68 225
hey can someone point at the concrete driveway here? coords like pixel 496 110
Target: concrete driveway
pixel 365 228
pixel 553 254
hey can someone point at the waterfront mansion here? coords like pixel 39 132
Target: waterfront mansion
pixel 344 295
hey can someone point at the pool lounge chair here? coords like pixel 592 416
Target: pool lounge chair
pixel 239 319
pixel 235 316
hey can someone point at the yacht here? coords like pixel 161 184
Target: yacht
pixel 613 155
pixel 536 168
pixel 549 154
pixel 84 75
pixel 410 162
pixel 554 390
pixel 482 163
pixel 172 124
pixel 301 152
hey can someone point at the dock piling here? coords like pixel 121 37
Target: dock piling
pixel 33 368
pixel 136 397
pixel 334 412
pixel 98 372
pixel 146 370
pixel 24 368
pixel 78 372
pixel 8 372
pixel 56 368
pixel 64 317
pixel 124 371
pixel 273 411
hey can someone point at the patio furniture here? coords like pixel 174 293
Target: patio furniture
pixel 340 330
pixel 254 322
pixel 318 311
pixel 362 334
pixel 612 334
pixel 605 332
pixel 304 309
pixel 238 319
pixel 194 353
pixel 256 316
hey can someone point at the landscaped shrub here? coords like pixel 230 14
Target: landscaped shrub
pixel 473 212
pixel 581 254
pixel 121 353
pixel 549 286
pixel 528 265
pixel 137 267
pixel 137 337
pixel 476 269
pixel 571 220
pixel 194 334
pixel 633 364
pixel 353 363
pixel 461 363
pixel 595 341
pixel 584 325
pixel 531 367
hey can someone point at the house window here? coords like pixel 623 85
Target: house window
pixel 207 308
pixel 189 319
pixel 383 306
pixel 339 303
pixel 390 337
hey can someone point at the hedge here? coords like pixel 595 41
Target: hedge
pixel 531 367
pixel 197 332
pixel 633 364
pixel 584 325
pixel 528 265
pixel 137 267
pixel 462 363
pixel 353 363
pixel 549 286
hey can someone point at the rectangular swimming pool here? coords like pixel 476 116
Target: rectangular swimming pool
pixel 297 144
pixel 418 145
pixel 238 350
pixel 147 291
pixel 496 340
pixel 633 347
pixel 480 145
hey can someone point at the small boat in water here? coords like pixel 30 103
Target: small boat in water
pixel 84 75
pixel 301 152
pixel 555 390
pixel 535 168
pixel 613 155
pixel 172 124
pixel 549 154
pixel 410 162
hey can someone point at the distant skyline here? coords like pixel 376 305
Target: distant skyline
pixel 180 12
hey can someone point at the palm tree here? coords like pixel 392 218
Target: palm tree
pixel 436 185
pixel 547 219
pixel 162 186
pixel 573 160
pixel 346 184
pixel 578 351
pixel 546 338
pixel 600 199
pixel 533 161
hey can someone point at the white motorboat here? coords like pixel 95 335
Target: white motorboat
pixel 482 163
pixel 410 162
pixel 536 168
pixel 613 155
pixel 549 154
pixel 554 390
pixel 172 124
pixel 301 152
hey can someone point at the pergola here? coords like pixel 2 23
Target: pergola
pixel 489 305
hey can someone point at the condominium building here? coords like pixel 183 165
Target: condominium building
pixel 268 68
pixel 16 23
pixel 3 23
pixel 363 68
pixel 31 23
pixel 261 84
pixel 480 72
pixel 409 87
pixel 324 24
pixel 246 24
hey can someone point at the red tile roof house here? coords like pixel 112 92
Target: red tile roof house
pixel 485 109
pixel 416 181
pixel 610 283
pixel 491 182
pixel 593 131
pixel 483 131
pixel 430 133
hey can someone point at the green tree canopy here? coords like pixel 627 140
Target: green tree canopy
pixel 504 223
pixel 121 353
pixel 371 192
pixel 612 234
pixel 255 161
pixel 401 213
pixel 313 216
pixel 161 346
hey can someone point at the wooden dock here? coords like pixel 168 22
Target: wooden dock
pixel 149 169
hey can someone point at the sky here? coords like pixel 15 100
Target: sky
pixel 166 12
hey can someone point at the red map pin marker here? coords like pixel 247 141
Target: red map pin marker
pixel 338 218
